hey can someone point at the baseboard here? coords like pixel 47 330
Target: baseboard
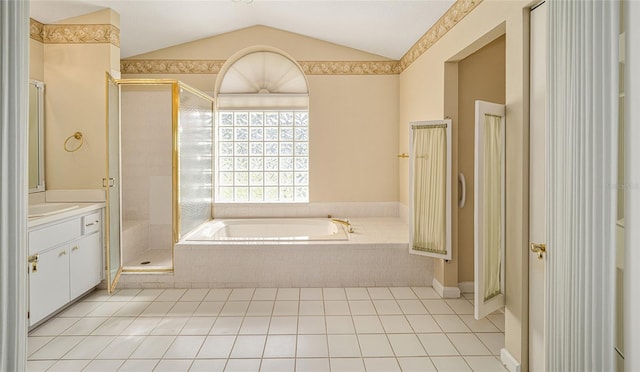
pixel 466 287
pixel 445 292
pixel 509 361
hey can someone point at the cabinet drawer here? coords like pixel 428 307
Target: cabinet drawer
pixel 91 223
pixel 51 236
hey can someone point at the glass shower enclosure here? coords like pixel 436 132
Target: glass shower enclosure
pixel 159 182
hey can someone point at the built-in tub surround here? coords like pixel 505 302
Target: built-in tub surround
pixel 376 254
pixel 270 230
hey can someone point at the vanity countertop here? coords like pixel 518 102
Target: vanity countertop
pixel 40 214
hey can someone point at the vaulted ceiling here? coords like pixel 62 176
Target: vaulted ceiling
pixel 384 27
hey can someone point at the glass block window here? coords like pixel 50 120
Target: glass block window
pixel 262 157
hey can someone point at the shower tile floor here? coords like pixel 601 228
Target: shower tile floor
pixel 157 258
pixel 268 329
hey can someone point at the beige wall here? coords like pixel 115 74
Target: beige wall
pixel 353 118
pixel 422 97
pixel 75 101
pixel 298 46
pixel 480 77
pixel 36 60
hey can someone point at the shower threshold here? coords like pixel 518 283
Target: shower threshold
pixel 150 260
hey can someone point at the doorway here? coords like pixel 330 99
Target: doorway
pixel 481 76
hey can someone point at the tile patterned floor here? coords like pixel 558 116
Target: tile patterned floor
pixel 269 329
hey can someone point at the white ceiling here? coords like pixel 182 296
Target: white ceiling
pixel 384 27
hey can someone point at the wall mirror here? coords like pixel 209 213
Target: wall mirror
pixel 36 136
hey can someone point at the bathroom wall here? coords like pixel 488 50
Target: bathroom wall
pixel 422 97
pixel 353 118
pixel 36 60
pixel 480 77
pixel 74 73
pixel 146 183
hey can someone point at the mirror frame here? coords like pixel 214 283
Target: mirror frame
pixel 39 85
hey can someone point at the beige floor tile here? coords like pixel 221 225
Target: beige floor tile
pixel 153 347
pixel 347 365
pixel 184 347
pixel 312 346
pixel 416 364
pixel 312 365
pixel 216 347
pixel 280 346
pixel 457 364
pixel 278 365
pixel 381 365
pixel 343 346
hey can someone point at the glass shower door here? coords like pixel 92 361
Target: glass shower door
pixel 112 186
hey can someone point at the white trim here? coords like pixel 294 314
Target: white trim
pixel 509 361
pixel 445 292
pixel 632 187
pixel 14 105
pixel 466 287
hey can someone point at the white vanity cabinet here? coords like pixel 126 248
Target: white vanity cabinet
pixel 85 261
pixel 65 261
pixel 48 283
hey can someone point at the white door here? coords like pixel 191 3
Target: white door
pixel 489 208
pixel 537 181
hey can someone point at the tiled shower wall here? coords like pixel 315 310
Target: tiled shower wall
pixel 146 167
pixel 311 210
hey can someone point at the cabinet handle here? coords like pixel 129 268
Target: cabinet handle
pixel 92 223
pixel 63 253
pixel 75 248
pixel 33 260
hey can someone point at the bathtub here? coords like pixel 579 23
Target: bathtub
pixel 269 229
pixel 292 252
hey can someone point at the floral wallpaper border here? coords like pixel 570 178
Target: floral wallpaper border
pixel 36 30
pixel 448 20
pixel 173 66
pixel 74 34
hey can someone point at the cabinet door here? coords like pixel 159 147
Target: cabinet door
pixel 86 263
pixel 49 283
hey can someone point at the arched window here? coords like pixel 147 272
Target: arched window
pixel 262 141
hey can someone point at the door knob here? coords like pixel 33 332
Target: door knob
pixel 538 248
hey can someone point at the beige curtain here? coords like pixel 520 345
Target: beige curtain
pixel 492 195
pixel 429 188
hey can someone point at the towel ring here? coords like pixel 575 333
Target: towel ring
pixel 77 136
